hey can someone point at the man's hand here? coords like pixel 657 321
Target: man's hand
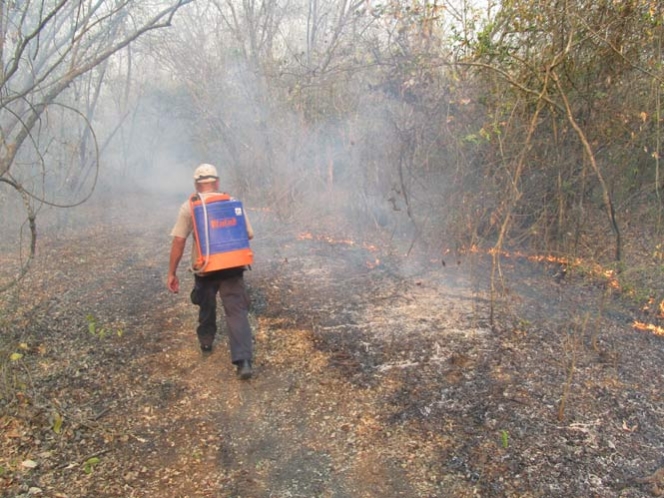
pixel 177 248
pixel 173 284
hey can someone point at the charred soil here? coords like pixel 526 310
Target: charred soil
pixel 374 376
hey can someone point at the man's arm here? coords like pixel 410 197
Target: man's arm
pixel 177 250
pixel 250 230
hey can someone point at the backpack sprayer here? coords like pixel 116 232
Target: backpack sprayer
pixel 220 233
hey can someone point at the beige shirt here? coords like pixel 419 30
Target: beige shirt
pixel 184 225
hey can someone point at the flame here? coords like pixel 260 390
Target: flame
pixel 474 249
pixel 325 238
pixel 646 308
pixel 649 327
pixel 595 269
pixel 336 242
pixel 373 264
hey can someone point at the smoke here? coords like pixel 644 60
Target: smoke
pixel 343 152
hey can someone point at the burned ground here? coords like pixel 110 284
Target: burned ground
pixel 375 376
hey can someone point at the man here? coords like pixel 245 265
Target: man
pixel 228 283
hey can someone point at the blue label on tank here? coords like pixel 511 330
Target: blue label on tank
pixel 226 226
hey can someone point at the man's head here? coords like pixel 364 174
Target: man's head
pixel 206 177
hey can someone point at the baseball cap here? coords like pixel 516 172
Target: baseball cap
pixel 205 173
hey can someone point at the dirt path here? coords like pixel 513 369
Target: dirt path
pixel 371 381
pixel 312 421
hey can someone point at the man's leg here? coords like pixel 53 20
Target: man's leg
pixel 205 296
pixel 236 307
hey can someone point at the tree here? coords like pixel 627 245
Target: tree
pixel 578 68
pixel 45 47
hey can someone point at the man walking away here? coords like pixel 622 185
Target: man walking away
pixel 199 215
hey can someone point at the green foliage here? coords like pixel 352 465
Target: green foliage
pixel 484 43
pixel 99 331
pixel 504 438
pixel 475 138
pixel 89 465
pixel 92 326
pixel 11 366
pixel 58 420
pixel 486 47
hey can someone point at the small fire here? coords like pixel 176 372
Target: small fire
pixel 649 327
pixel 373 264
pixel 336 242
pixel 595 269
pixel 648 306
pixel 325 238
pixel 517 254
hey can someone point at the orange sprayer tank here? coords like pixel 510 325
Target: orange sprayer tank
pixel 220 233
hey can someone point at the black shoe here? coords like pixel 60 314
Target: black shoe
pixel 244 370
pixel 206 348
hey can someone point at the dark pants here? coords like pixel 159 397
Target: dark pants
pixel 229 284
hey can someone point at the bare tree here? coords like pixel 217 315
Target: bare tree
pixel 46 46
pixel 593 141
